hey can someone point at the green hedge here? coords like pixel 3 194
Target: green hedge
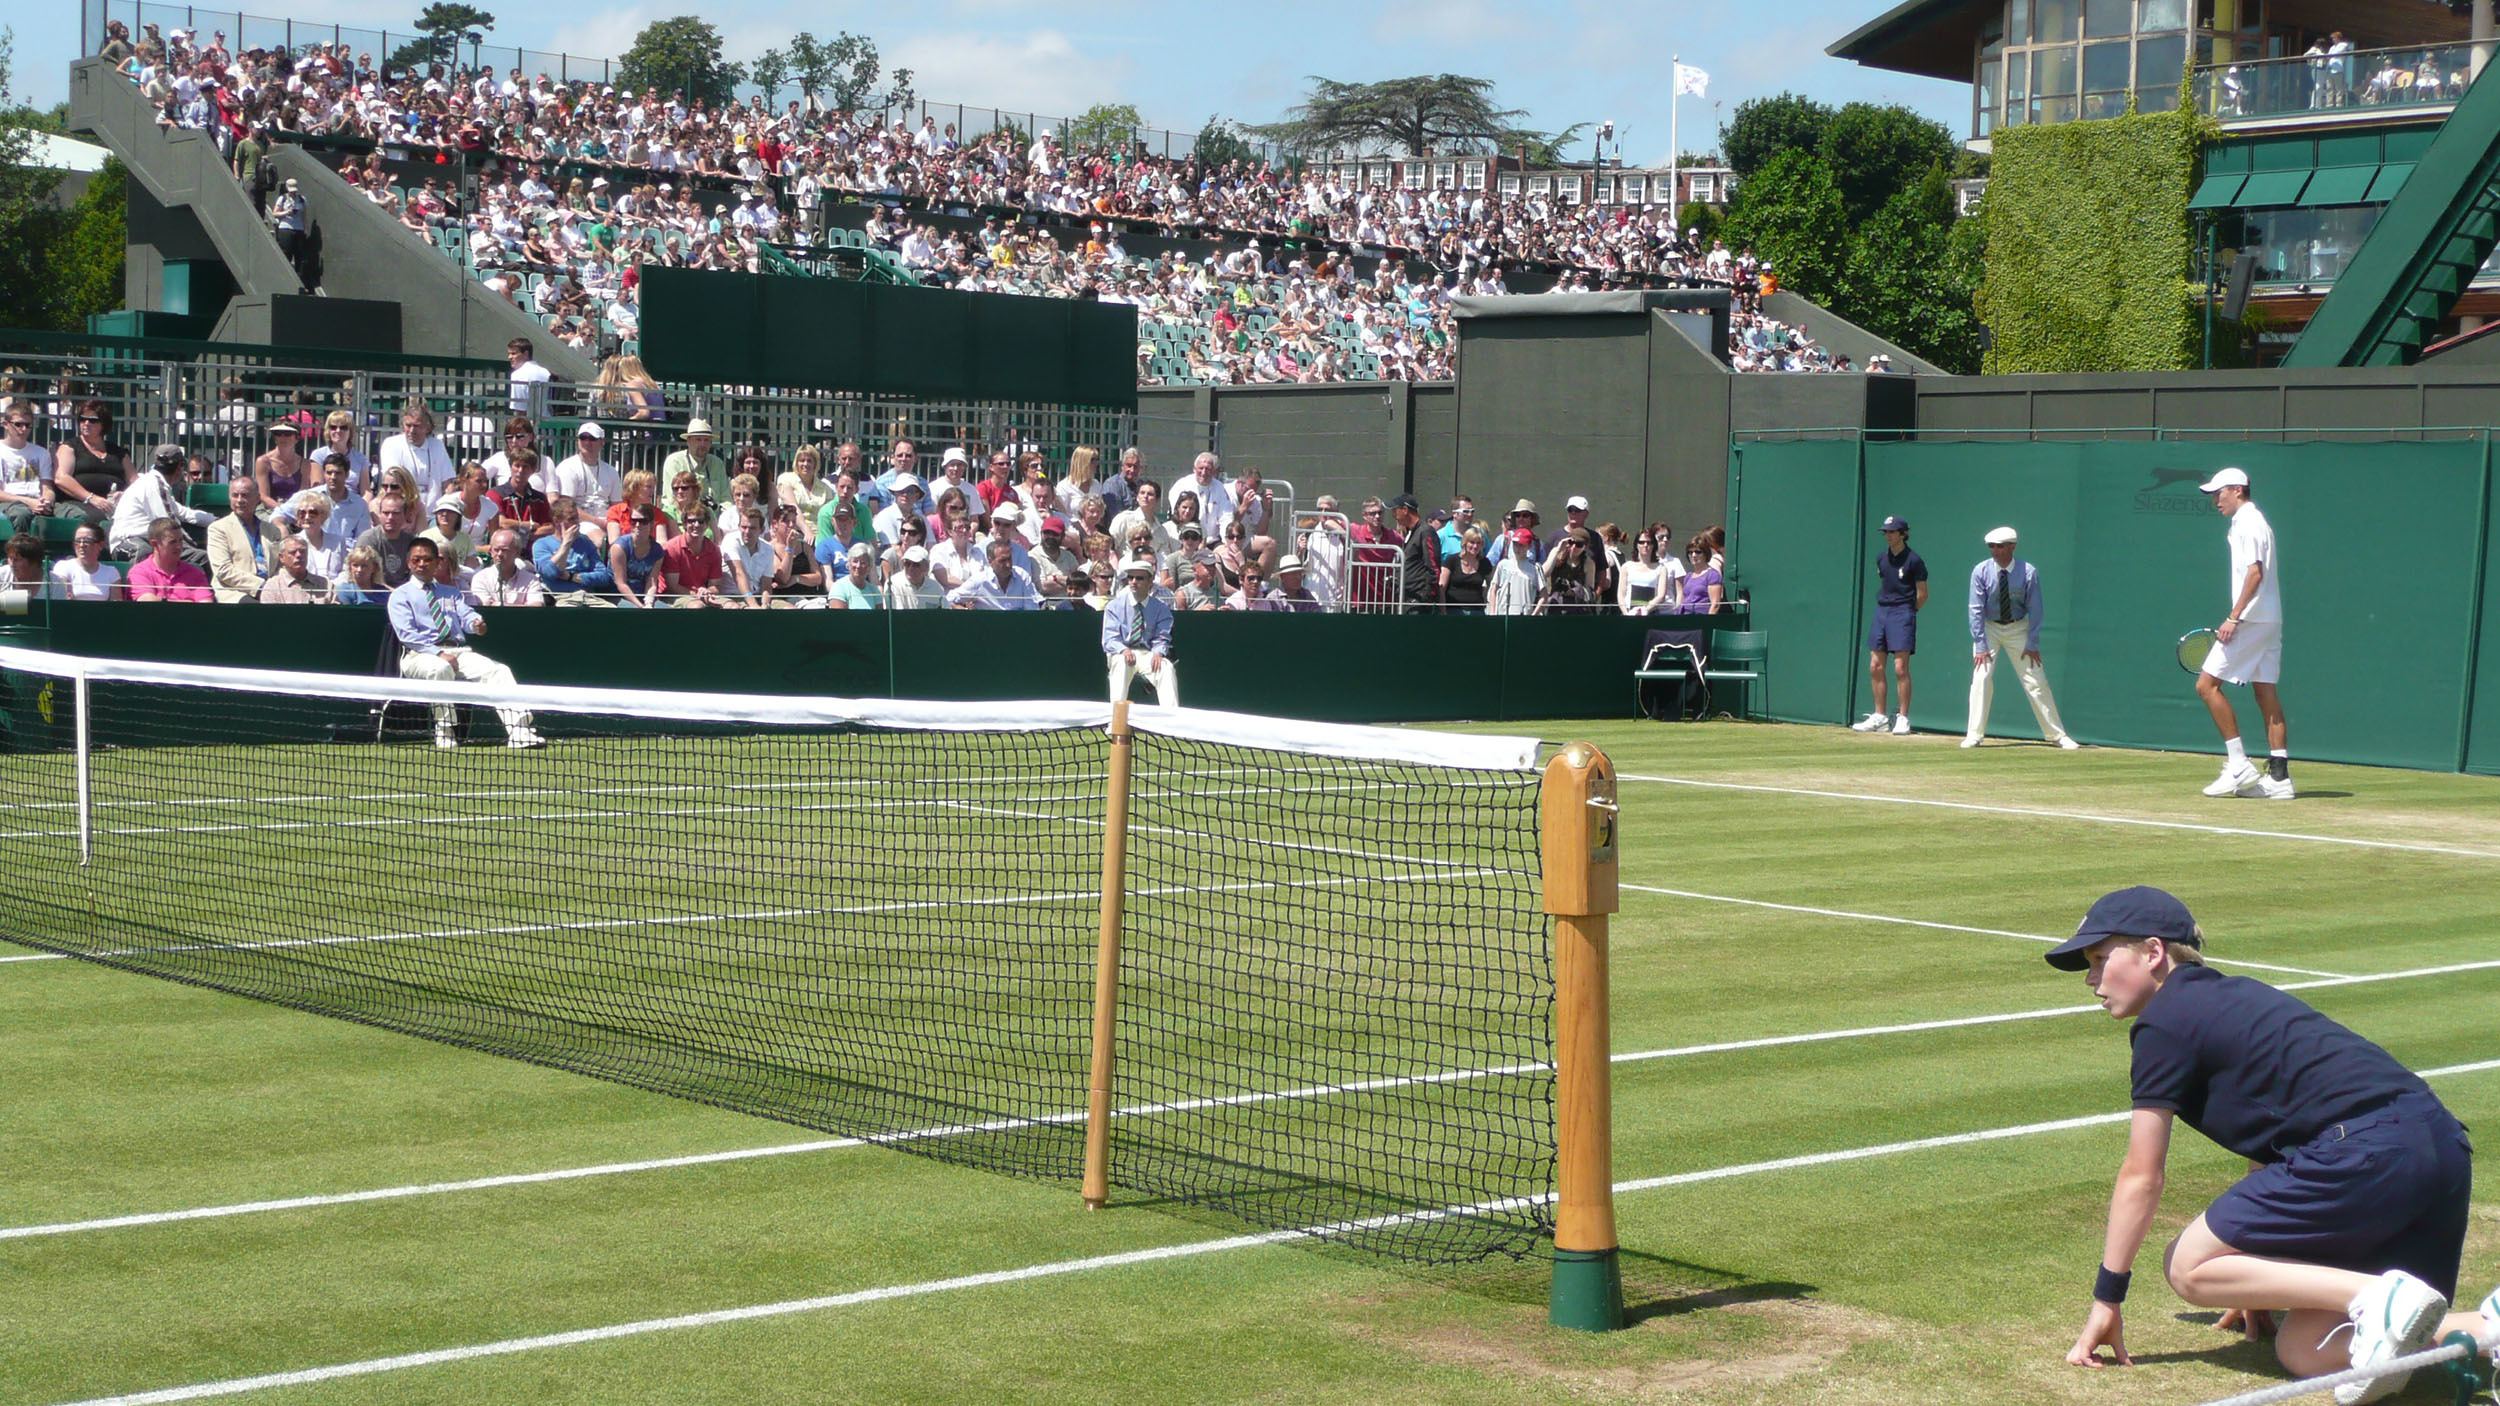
pixel 2089 246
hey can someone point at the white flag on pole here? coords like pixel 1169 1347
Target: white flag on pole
pixel 1689 79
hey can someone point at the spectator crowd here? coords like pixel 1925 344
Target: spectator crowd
pixel 323 516
pixel 1281 296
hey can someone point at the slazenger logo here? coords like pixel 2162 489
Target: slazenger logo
pixel 2172 491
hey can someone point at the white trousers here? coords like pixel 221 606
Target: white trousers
pixel 1167 687
pixel 2006 642
pixel 468 666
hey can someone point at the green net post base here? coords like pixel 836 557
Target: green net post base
pixel 2467 1374
pixel 1588 1291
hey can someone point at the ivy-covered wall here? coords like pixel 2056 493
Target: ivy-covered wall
pixel 2089 246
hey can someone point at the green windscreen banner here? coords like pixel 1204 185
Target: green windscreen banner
pixel 929 343
pixel 2388 606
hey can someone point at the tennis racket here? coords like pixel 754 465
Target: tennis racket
pixel 2194 646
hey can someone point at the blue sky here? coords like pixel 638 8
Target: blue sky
pixel 1564 62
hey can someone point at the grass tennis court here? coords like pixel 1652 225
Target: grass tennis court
pixel 1955 1271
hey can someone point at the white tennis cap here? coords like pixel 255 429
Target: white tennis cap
pixel 2000 536
pixel 1137 566
pixel 2226 478
pixel 915 554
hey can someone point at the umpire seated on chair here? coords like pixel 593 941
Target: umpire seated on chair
pixel 433 620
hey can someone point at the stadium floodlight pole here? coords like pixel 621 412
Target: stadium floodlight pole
pixel 1579 834
pixel 1097 1183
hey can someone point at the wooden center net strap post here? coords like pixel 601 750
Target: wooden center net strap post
pixel 1578 840
pixel 1097 1184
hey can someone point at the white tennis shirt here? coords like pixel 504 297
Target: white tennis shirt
pixel 2252 543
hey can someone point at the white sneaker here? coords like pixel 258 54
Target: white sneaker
pixel 525 738
pixel 2489 1308
pixel 2396 1315
pixel 1901 725
pixel 1872 722
pixel 2270 789
pixel 446 741
pixel 2068 744
pixel 1970 741
pixel 2235 778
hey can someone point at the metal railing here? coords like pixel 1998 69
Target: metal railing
pixel 406 50
pixel 2360 81
pixel 219 403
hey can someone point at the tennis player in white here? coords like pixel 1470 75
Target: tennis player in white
pixel 2248 647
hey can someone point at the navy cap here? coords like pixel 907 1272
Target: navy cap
pixel 1406 501
pixel 2142 911
pixel 1896 524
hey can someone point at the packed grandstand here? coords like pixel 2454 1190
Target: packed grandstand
pixel 557 195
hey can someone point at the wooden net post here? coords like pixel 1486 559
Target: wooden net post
pixel 1097 1186
pixel 1579 825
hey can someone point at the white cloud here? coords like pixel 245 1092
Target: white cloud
pixel 1041 72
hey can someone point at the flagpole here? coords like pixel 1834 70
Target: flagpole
pixel 1675 151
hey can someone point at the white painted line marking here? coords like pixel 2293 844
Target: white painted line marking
pixel 1141 1110
pixel 237 1386
pixel 1923 923
pixel 2347 840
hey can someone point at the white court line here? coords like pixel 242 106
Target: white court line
pixel 236 1386
pixel 2348 840
pixel 1814 1037
pixel 766 914
pixel 1923 923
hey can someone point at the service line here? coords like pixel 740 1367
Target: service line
pixel 1924 923
pixel 2039 813
pixel 1142 1110
pixel 236 1386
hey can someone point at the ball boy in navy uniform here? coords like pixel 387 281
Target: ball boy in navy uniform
pixel 2353 1218
pixel 1900 594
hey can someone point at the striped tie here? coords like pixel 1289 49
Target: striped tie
pixel 442 619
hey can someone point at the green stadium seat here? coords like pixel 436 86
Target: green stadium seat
pixel 208 496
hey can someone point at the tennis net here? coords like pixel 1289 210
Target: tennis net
pixel 878 919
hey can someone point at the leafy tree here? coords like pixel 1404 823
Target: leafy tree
pixel 845 70
pixel 1700 217
pixel 56 265
pixel 1421 116
pixel 1910 281
pixel 1220 142
pixel 682 54
pixel 1762 128
pixel 447 25
pixel 770 71
pixel 87 263
pixel 1876 151
pixel 1107 125
pixel 1790 214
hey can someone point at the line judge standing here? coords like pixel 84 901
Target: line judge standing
pixel 1900 594
pixel 2005 618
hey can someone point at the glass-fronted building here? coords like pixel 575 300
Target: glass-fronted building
pixel 2323 104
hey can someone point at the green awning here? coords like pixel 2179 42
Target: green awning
pixel 2216 191
pixel 2390 179
pixel 2339 185
pixel 2267 188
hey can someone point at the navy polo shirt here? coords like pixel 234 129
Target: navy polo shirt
pixel 1897 577
pixel 2255 1069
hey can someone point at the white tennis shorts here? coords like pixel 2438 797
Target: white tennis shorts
pixel 2254 655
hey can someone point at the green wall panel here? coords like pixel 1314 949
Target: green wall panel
pixel 2482 751
pixel 2376 653
pixel 1795 543
pixel 1336 668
